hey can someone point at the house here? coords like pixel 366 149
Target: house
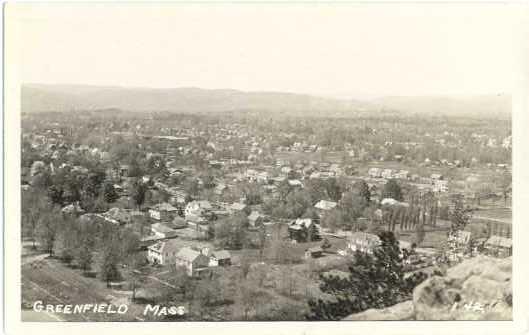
pixel 220 189
pixel 303 230
pixel 295 183
pixel 197 208
pixel 72 209
pixel 237 207
pixel 440 186
pixel 374 172
pixel 387 174
pixel 499 246
pixel 118 216
pixel 460 238
pixel 324 205
pixel 402 174
pixel 220 258
pixel 193 261
pixel 178 223
pixel 313 252
pixel 160 230
pixel 436 176
pixel 163 252
pixel 363 242
pixel 163 212
pixel 255 219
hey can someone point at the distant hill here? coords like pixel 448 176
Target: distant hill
pixel 497 106
pixel 70 98
pixel 45 98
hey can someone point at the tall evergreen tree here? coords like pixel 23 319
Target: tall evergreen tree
pixel 373 281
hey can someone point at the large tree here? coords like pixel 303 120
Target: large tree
pixel 373 281
pixel 361 189
pixel 392 190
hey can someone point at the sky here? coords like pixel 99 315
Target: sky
pixel 340 50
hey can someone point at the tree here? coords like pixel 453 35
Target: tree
pixel 373 281
pixel 334 190
pixel 231 233
pixel 110 252
pixel 84 256
pixel 353 206
pixel 139 189
pixel 325 244
pixel 56 194
pixel 110 193
pixel 392 190
pixel 66 240
pixel 47 229
pixel 33 208
pixel 333 219
pixel 252 194
pixel 460 215
pixel 361 189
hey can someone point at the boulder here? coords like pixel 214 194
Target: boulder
pixel 476 289
pixel 398 312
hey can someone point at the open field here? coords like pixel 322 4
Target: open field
pixel 52 282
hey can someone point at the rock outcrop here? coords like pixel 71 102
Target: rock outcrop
pixel 479 288
pixel 402 311
pixel 476 289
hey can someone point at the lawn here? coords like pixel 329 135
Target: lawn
pixel 53 282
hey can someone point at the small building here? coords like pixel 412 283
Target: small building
pixel 220 258
pixel 374 172
pixel 198 207
pixel 499 246
pixel 237 207
pixel 160 230
pixel 325 205
pixel 436 176
pixel 193 261
pixel 402 174
pixel 313 252
pixel 303 230
pixel 255 219
pixel 387 174
pixel 440 186
pixel 178 223
pixel 163 252
pixel 295 183
pixel 163 212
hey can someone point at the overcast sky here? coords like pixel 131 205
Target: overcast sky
pixel 339 50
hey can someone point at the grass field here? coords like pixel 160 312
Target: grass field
pixel 53 282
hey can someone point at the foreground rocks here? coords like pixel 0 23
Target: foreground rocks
pixel 402 311
pixel 476 289
pixel 479 288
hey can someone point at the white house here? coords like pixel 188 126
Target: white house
pixel 163 252
pixel 198 208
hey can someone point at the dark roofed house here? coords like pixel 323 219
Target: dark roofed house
pixel 220 258
pixel 255 219
pixel 313 252
pixel 163 212
pixel 304 230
